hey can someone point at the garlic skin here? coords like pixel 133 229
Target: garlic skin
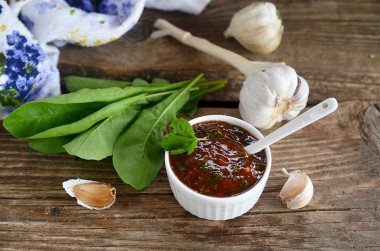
pixel 91 194
pixel 297 191
pixel 271 94
pixel 257 27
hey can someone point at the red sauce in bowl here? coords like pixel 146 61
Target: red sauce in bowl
pixel 219 165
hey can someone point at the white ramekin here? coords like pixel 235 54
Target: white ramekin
pixel 214 208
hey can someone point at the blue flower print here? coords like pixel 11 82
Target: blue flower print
pixel 42 7
pixel 110 9
pixel 14 67
pixel 23 84
pixel 16 39
pixel 33 54
pixel 127 8
pixel 20 68
pixel 26 73
pixel 116 7
pixel 27 22
pixel 85 5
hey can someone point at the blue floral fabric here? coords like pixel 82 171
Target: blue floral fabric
pixel 30 30
pixel 77 22
pixel 27 62
pixel 116 7
pixel 26 73
pixel 85 5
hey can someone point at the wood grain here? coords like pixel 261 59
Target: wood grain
pixel 333 44
pixel 36 213
pixel 329 43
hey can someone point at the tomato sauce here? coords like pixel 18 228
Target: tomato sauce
pixel 219 165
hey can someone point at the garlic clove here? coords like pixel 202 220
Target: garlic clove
pixel 91 194
pixel 257 27
pixel 297 191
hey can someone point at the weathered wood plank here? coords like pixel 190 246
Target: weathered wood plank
pixel 329 43
pixel 36 213
pixel 303 230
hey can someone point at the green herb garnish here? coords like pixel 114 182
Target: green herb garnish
pixel 244 183
pixel 181 139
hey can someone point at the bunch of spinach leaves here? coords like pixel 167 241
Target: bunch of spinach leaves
pixel 101 118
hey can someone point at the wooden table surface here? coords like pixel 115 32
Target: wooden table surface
pixel 334 45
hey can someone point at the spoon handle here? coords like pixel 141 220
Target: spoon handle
pixel 317 112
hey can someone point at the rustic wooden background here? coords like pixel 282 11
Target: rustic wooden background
pixel 334 45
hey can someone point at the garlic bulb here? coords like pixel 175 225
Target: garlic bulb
pixel 297 191
pixel 257 27
pixel 91 194
pixel 272 92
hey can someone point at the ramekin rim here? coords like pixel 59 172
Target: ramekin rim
pixel 237 197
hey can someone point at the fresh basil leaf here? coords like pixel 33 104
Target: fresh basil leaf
pixel 137 154
pixel 50 145
pixel 76 83
pixel 97 142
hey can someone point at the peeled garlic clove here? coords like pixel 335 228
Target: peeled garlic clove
pixel 91 194
pixel 257 27
pixel 297 191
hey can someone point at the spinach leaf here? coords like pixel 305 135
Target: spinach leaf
pixel 97 142
pixel 50 145
pixel 111 94
pixel 137 153
pixel 87 122
pixel 35 117
pixel 76 83
pixel 92 95
pixel 191 107
pixel 38 116
pixel 160 81
pixel 138 82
